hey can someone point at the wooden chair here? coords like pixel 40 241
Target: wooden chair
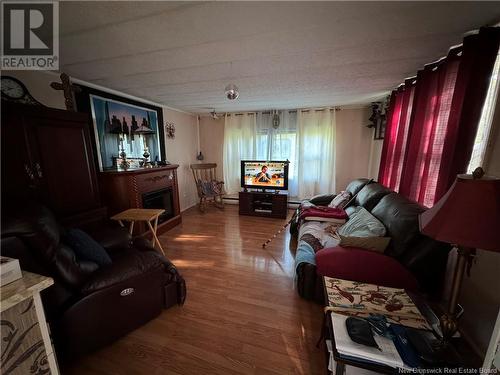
pixel 204 174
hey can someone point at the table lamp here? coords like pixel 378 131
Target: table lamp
pixel 468 217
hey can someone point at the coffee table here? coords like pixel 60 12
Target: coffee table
pixel 141 214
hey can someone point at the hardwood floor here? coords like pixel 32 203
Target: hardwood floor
pixel 242 314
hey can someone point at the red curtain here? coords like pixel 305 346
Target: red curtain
pixel 429 125
pixel 396 135
pixel 430 135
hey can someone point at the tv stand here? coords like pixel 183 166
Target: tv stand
pixel 266 204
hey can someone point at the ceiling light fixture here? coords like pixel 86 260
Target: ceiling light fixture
pixel 232 92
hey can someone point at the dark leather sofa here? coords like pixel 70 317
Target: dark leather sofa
pixel 424 257
pixel 89 307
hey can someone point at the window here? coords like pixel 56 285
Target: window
pixel 306 138
pixel 486 120
pixel 278 143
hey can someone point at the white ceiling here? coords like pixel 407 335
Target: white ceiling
pixel 280 54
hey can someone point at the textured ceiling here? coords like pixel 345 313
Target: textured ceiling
pixel 280 54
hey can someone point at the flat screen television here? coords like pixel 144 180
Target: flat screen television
pixel 259 174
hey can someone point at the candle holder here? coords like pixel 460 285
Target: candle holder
pixel 124 163
pixel 146 156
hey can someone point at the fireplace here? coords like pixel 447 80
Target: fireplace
pixel 164 199
pixel 144 188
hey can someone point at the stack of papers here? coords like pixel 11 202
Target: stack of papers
pixel 388 355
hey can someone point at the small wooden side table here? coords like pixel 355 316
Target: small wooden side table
pixel 141 214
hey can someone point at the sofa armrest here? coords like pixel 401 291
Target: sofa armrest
pixel 124 267
pixel 322 200
pixel 142 244
pixel 351 263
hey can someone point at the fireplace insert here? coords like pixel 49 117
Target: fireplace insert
pixel 163 198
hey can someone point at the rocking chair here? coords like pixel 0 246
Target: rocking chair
pixel 209 189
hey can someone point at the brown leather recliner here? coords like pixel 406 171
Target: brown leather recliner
pixel 90 306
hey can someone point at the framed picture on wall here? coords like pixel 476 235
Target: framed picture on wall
pixel 121 124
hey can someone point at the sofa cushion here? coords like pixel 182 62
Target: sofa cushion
pixel 400 217
pixel 370 195
pixel 362 224
pixel 356 185
pixel 365 266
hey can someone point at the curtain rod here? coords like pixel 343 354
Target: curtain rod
pixel 456 47
pixel 336 109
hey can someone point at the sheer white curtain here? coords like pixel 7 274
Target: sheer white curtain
pixel 239 144
pixel 305 138
pixel 316 152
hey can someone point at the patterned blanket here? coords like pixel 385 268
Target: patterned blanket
pixel 211 188
pixel 362 299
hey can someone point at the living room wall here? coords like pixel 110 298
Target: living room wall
pixel 180 150
pixel 357 154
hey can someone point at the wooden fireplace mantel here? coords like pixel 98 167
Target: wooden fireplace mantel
pixel 122 190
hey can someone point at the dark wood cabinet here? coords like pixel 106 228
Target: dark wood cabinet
pixel 258 203
pixel 47 154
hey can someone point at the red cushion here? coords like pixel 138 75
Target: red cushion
pixel 355 264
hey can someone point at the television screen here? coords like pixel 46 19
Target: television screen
pixel 264 174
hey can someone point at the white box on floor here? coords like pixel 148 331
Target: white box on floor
pixel 9 270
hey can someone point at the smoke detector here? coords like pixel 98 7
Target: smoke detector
pixel 232 92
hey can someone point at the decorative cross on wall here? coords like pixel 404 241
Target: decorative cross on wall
pixel 68 90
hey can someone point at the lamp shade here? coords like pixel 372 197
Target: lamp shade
pixel 467 215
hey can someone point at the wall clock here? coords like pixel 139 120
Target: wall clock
pixel 14 90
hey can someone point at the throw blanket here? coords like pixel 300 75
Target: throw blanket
pixel 324 214
pixel 305 254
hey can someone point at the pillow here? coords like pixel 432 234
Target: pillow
pixel 377 244
pixel 362 224
pixel 340 200
pixel 86 248
pixel 210 188
pixel 350 210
